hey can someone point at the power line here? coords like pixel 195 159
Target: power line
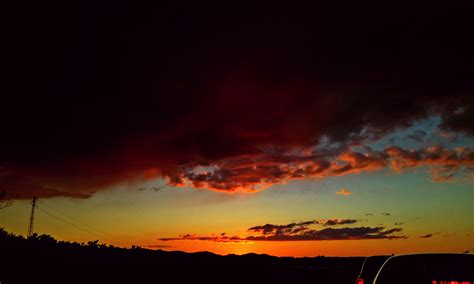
pixel 77 221
pixel 74 225
pixel 21 204
pixel 79 225
pixel 5 204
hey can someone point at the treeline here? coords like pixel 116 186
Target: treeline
pixel 37 241
pixel 43 259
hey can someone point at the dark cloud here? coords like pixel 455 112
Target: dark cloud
pixel 153 188
pixel 386 214
pixel 460 120
pixel 293 228
pixel 213 238
pixel 301 232
pixel 17 188
pixel 357 233
pixel 270 229
pixel 426 236
pixel 399 224
pixel 334 222
pixel 418 136
pixel 110 92
pixel 159 246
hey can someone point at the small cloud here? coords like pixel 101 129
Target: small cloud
pixel 398 224
pixel 280 229
pixel 345 233
pixel 369 214
pixel 159 246
pixel 393 140
pixel 334 222
pixel 386 214
pixel 450 136
pixel 426 236
pixel 418 136
pixel 154 188
pixel 343 191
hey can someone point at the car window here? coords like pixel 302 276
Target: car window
pixel 432 269
pixel 371 266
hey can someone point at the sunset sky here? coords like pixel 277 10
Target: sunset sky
pixel 290 131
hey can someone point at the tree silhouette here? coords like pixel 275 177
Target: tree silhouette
pixel 56 261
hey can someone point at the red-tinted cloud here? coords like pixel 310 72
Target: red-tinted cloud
pixel 214 238
pixel 255 172
pixel 107 97
pixel 252 171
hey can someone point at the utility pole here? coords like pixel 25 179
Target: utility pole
pixel 32 218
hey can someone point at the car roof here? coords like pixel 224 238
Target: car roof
pixel 382 255
pixel 428 257
pixel 430 254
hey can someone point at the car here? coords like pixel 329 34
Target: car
pixel 429 268
pixel 370 267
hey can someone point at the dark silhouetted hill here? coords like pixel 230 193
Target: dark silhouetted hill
pixel 43 259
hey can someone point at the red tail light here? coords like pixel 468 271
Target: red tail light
pixel 360 281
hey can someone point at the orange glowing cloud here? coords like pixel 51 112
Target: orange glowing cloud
pixel 343 191
pixel 260 171
pixel 257 171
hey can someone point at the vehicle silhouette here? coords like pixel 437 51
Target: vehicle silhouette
pixel 430 268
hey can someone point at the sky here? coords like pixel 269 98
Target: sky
pixel 290 131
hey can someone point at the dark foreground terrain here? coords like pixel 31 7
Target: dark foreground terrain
pixel 42 259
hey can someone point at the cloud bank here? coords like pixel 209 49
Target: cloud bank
pixel 116 94
pixel 302 232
